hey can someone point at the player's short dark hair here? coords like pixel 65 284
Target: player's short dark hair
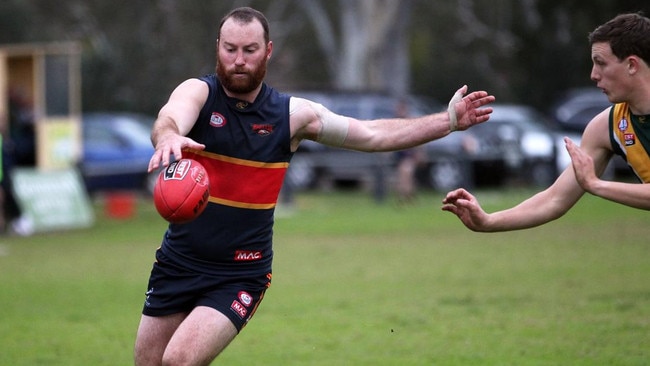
pixel 246 15
pixel 627 34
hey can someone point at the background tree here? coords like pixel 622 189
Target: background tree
pixel 135 52
pixel 371 34
pixel 522 51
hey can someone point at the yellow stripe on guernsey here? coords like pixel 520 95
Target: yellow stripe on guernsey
pixel 239 182
pixel 629 142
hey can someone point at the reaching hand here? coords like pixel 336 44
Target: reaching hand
pixel 171 144
pixel 583 165
pixel 465 111
pixel 464 205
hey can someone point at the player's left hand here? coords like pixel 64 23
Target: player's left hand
pixel 583 165
pixel 465 110
pixel 171 145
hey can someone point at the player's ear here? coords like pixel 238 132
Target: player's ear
pixel 269 50
pixel 632 64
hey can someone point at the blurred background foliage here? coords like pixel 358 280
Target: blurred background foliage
pixel 136 52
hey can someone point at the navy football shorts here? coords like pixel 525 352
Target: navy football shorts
pixel 172 290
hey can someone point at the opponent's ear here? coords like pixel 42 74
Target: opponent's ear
pixel 633 63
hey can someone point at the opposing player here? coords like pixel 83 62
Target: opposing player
pixel 211 274
pixel 620 51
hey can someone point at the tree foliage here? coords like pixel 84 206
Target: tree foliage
pixel 522 51
pixel 135 52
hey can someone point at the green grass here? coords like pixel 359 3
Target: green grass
pixel 356 283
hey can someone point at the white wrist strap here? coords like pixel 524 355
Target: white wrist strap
pixel 453 122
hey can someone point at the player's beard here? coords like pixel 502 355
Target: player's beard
pixel 238 85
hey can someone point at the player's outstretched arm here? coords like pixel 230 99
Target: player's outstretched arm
pixel 539 209
pixel 400 133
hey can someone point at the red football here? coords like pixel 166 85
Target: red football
pixel 182 191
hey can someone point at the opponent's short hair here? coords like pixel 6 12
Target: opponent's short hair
pixel 627 34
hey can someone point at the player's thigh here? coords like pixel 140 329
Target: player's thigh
pixel 200 338
pixel 154 332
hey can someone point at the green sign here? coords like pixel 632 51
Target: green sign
pixel 52 199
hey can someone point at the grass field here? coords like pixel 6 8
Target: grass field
pixel 356 283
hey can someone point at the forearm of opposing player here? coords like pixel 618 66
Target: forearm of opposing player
pixel 523 216
pixel 541 208
pixel 629 194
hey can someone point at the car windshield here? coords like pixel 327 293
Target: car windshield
pixel 134 128
pixel 138 130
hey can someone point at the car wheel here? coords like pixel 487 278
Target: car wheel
pixel 301 173
pixel 449 173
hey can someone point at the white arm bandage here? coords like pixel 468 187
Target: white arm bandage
pixel 451 109
pixel 334 127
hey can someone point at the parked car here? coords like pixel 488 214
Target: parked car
pixel 576 107
pixel 516 144
pixel 116 152
pixel 524 139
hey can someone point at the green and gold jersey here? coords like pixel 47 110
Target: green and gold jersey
pixel 630 138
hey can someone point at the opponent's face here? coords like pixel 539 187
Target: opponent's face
pixel 242 56
pixel 610 74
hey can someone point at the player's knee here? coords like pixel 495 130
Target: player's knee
pixel 187 357
pixel 176 359
pixel 145 355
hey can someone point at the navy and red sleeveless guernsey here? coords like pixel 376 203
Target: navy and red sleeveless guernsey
pixel 247 152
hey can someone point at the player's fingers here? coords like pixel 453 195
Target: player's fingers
pixel 569 143
pixel 456 193
pixel 482 100
pixel 462 90
pixel 451 198
pixel 483 117
pixel 178 155
pixel 197 146
pixel 449 208
pixel 154 162
pixel 570 147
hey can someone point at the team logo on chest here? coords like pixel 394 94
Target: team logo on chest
pixel 622 124
pixel 217 120
pixel 262 129
pixel 629 139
